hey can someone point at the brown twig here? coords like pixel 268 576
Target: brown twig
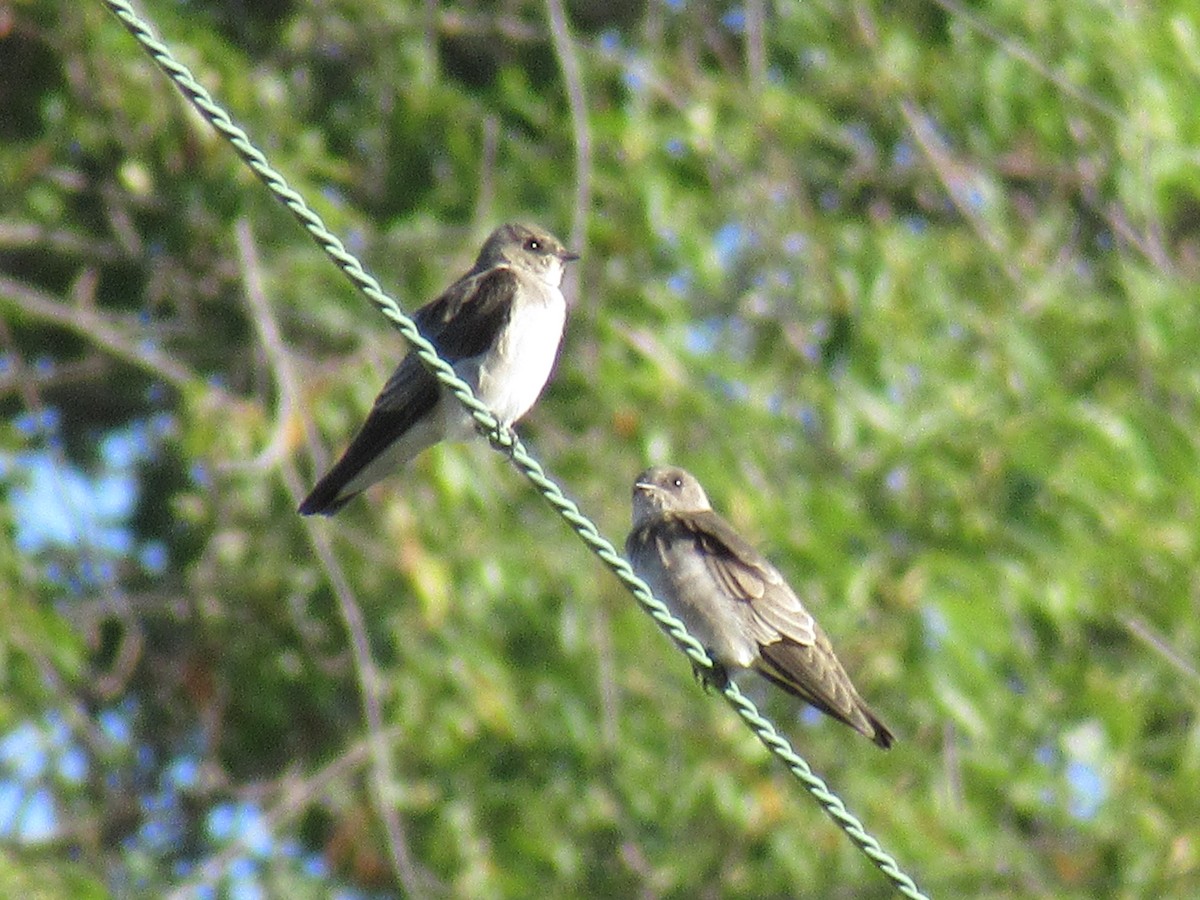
pixel 370 683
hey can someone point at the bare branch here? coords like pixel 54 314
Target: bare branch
pixel 369 680
pixel 568 61
pixel 295 796
pixel 101 330
pixel 1148 635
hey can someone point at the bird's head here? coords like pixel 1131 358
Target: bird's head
pixel 527 247
pixel 664 489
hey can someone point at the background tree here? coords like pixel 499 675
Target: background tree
pixel 911 287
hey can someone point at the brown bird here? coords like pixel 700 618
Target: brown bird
pixel 733 600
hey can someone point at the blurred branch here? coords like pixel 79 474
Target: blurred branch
pixel 411 877
pixel 568 60
pixel 278 358
pixel 486 198
pixel 93 368
pixel 455 23
pixel 1017 51
pixel 607 680
pixel 1149 244
pixel 120 220
pixel 952 767
pixel 295 796
pixel 756 51
pixel 955 176
pixel 28 387
pixel 83 320
pixel 370 683
pixel 675 96
pixel 1145 632
pixel 30 236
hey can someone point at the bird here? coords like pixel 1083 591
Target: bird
pixel 734 601
pixel 499 326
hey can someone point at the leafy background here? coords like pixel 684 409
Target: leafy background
pixel 911 287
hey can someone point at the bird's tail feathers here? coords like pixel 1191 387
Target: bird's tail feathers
pixel 854 712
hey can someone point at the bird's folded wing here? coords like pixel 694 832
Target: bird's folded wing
pixel 811 674
pixel 748 576
pixel 409 394
pixel 465 320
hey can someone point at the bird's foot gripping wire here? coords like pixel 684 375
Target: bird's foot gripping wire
pixel 714 679
pixel 503 438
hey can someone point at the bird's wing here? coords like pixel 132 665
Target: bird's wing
pixel 636 542
pixel 462 322
pixel 815 675
pixel 409 395
pixel 794 652
pixel 465 320
pixel 747 576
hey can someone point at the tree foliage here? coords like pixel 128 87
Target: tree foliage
pixel 909 286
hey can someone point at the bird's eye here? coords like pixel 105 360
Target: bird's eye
pixel 678 482
pixel 533 245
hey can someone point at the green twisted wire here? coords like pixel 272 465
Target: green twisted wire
pixel 506 441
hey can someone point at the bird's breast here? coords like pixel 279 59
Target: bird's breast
pixel 514 372
pixel 716 620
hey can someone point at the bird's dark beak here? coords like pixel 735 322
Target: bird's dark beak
pixel 567 256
